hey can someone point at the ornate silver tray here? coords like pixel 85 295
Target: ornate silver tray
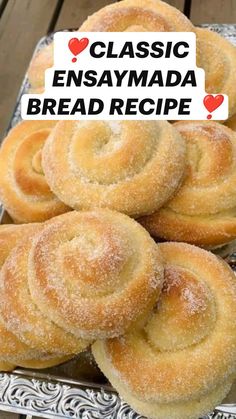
pixel 77 389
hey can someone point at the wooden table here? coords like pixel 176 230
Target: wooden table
pixel 23 22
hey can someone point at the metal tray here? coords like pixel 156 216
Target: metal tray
pixel 77 389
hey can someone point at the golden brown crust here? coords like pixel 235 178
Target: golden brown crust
pixel 186 351
pixel 95 273
pixel 39 64
pixel 11 235
pixel 218 59
pixel 5 366
pixel 231 122
pixel 95 164
pixel 203 210
pixel 46 361
pixel 13 350
pixel 137 16
pixel 21 316
pixel 23 188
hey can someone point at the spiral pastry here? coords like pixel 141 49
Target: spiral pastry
pixel 94 273
pixel 182 362
pixel 130 166
pixel 12 349
pixel 218 59
pixel 39 64
pixel 23 188
pixel 203 210
pixel 21 316
pixel 137 16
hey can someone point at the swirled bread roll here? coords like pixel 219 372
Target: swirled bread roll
pixel 137 16
pixel 21 316
pixel 130 166
pixel 24 191
pixel 218 59
pixel 94 273
pixel 11 348
pixel 39 64
pixel 182 363
pixel 203 211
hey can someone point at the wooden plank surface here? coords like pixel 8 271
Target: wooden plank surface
pixel 74 12
pixel 21 25
pixel 213 11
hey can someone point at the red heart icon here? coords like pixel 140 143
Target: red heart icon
pixel 76 45
pixel 211 102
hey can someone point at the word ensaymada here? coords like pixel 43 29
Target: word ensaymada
pixel 127 78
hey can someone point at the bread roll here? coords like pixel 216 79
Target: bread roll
pixel 129 166
pixel 182 362
pixel 137 16
pixel 218 59
pixel 203 210
pixel 95 274
pixel 22 317
pixel 24 191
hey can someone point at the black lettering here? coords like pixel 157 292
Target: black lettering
pixel 170 104
pixel 96 106
pixel 189 78
pixel 184 106
pixel 116 105
pixel 173 78
pixel 95 54
pixel 136 80
pixel 58 79
pixel 157 47
pixel 48 106
pixel 33 107
pixel 79 107
pixel 142 106
pixel 110 53
pixel 176 51
pixel 63 107
pixel 143 48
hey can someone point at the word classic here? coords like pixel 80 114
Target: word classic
pixel 122 75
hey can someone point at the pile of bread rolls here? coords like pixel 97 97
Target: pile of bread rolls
pixel 80 266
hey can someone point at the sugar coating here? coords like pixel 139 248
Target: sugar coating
pixel 176 378
pixel 130 166
pixel 95 273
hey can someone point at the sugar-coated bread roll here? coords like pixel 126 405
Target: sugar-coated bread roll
pixel 39 64
pixel 203 210
pixel 129 166
pixel 24 191
pixel 11 348
pixel 182 362
pixel 13 351
pixel 21 316
pixel 137 16
pixel 95 273
pixel 218 59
